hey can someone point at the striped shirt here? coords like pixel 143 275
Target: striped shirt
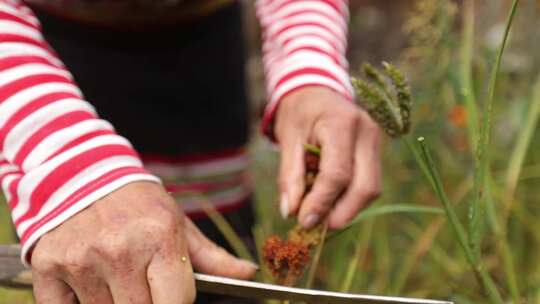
pixel 57 157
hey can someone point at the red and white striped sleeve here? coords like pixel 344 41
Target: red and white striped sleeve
pixel 56 156
pixel 304 44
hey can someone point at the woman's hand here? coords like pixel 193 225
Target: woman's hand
pixel 349 172
pixel 128 248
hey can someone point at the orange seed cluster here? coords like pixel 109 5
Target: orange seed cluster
pixel 286 259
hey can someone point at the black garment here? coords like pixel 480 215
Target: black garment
pixel 171 92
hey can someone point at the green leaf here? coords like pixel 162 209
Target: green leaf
pixel 378 210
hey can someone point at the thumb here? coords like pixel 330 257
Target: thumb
pixel 209 258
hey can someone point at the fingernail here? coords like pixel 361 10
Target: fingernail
pixel 254 265
pixel 310 221
pixel 250 265
pixel 284 206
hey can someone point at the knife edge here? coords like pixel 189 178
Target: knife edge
pixel 255 290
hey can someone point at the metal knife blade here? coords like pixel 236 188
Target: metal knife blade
pixel 255 290
pixel 13 273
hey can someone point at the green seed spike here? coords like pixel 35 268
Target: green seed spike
pixel 399 82
pixel 373 74
pixel 378 79
pixel 403 94
pixel 376 105
pixel 386 97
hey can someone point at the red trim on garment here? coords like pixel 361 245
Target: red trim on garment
pixel 193 158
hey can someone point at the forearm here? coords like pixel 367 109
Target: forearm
pixel 304 44
pixel 58 157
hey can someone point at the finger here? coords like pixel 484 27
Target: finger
pixel 209 258
pixel 92 292
pixel 129 285
pixel 49 290
pixel 337 140
pixel 291 174
pixel 88 286
pixel 366 183
pixel 169 277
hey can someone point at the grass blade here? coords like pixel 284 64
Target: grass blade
pixel 512 176
pixel 226 229
pixel 359 255
pixel 482 155
pixel 316 257
pixel 524 140
pixel 377 210
pixel 418 157
pixel 460 232
pixel 467 85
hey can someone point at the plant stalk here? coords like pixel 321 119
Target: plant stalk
pixel 523 142
pixel 460 232
pixel 316 257
pixel 226 230
pixel 476 209
pixel 467 85
pixel 360 252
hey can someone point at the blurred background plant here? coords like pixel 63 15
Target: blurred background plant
pixel 403 244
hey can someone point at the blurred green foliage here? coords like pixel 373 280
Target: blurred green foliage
pixel 447 58
pixel 447 61
pixel 7 236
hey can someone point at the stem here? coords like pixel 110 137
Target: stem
pixel 264 274
pixel 359 255
pixel 423 244
pixel 467 85
pixel 502 245
pixel 226 229
pixel 512 175
pixel 384 258
pixel 458 228
pixel 523 142
pixel 316 257
pixel 460 232
pixel 313 149
pixel 418 157
pixel 482 155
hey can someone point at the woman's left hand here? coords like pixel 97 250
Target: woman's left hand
pixel 349 171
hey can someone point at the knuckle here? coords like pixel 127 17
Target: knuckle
pixel 373 191
pixel 337 177
pixel 370 192
pixel 347 118
pixel 340 223
pixel 76 259
pixel 339 123
pixel 162 233
pixel 164 226
pixel 44 263
pixel 351 117
pixel 112 247
pixel 321 207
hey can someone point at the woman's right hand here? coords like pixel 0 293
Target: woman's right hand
pixel 128 248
